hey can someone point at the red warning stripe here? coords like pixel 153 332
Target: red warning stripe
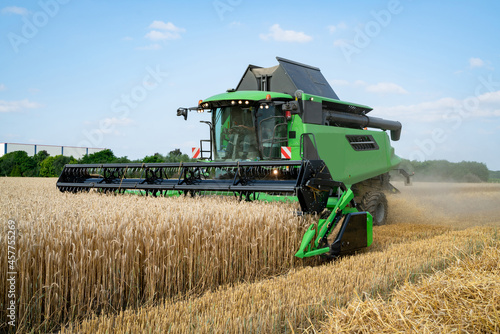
pixel 286 152
pixel 195 152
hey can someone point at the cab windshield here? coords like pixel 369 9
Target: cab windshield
pixel 249 132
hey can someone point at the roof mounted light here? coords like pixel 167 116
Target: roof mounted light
pixel 268 97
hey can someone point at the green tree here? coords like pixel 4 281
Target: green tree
pixel 53 166
pixel 39 158
pixel 175 153
pixel 60 161
pixel 26 165
pixel 122 160
pixel 157 157
pixel 101 157
pixel 177 156
pixel 16 171
pixel 47 168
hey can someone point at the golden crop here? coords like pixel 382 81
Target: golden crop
pixel 90 253
pixel 95 264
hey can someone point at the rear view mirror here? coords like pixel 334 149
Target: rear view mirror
pixel 183 112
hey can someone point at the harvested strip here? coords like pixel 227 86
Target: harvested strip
pixel 462 298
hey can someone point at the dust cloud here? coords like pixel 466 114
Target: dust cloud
pixel 458 205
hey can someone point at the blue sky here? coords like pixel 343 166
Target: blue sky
pixel 113 73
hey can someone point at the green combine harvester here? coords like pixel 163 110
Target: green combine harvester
pixel 281 134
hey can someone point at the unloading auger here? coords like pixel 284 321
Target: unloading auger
pixel 281 135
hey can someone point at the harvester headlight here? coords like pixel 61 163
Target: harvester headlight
pixel 233 102
pixel 247 102
pixel 275 171
pixel 240 102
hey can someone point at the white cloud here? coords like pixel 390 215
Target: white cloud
pixel 127 38
pixel 15 106
pixel 278 34
pixel 2 87
pixel 476 62
pixel 161 31
pixel 149 47
pixel 386 88
pixel 156 35
pixel 169 26
pixel 164 31
pixel 490 98
pixel 15 10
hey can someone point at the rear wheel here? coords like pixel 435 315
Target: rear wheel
pixel 375 203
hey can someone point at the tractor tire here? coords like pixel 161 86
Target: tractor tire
pixel 375 203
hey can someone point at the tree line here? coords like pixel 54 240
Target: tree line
pixel 445 171
pixel 18 163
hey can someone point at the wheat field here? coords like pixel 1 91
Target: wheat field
pixel 105 263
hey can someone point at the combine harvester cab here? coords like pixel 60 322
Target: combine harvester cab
pixel 281 134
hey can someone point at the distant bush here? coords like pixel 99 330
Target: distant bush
pixel 18 163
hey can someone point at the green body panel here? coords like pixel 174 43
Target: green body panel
pixel 369 225
pixel 251 95
pixel 345 164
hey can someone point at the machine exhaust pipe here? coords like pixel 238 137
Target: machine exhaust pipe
pixel 364 121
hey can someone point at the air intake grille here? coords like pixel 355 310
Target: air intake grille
pixel 362 143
